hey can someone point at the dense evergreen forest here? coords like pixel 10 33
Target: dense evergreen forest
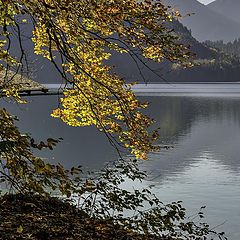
pixel 214 61
pixel 231 48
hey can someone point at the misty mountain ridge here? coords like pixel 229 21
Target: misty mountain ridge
pixel 227 8
pixel 211 64
pixel 205 24
pixel 214 66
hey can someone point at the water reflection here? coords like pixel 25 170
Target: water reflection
pixel 176 115
pixel 196 125
pixel 192 125
pixel 80 146
pixel 203 168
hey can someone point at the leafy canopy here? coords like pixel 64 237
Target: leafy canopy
pixel 78 37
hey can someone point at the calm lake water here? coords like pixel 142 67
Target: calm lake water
pixel 202 169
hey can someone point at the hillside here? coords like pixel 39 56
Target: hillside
pixel 230 48
pixel 206 24
pixel 201 50
pixel 215 66
pixel 211 64
pixel 227 8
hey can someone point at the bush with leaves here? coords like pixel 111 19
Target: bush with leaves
pixel 21 170
pixel 100 196
pixel 138 210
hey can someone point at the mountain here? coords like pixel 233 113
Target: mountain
pixel 206 24
pixel 230 48
pixel 214 65
pixel 40 69
pixel 201 50
pixel 227 8
pixel 211 64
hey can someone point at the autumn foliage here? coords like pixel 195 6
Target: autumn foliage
pixel 78 37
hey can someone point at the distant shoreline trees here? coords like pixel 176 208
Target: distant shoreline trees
pixel 231 48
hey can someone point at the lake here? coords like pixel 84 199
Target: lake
pixel 202 168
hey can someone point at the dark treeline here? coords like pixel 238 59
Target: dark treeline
pixel 212 64
pixel 231 48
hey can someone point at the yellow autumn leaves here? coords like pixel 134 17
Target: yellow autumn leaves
pixel 78 37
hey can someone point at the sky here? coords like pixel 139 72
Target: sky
pixel 205 1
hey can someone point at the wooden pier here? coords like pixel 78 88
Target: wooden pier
pixel 28 87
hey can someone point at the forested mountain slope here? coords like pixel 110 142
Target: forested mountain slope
pixel 210 64
pixel 205 23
